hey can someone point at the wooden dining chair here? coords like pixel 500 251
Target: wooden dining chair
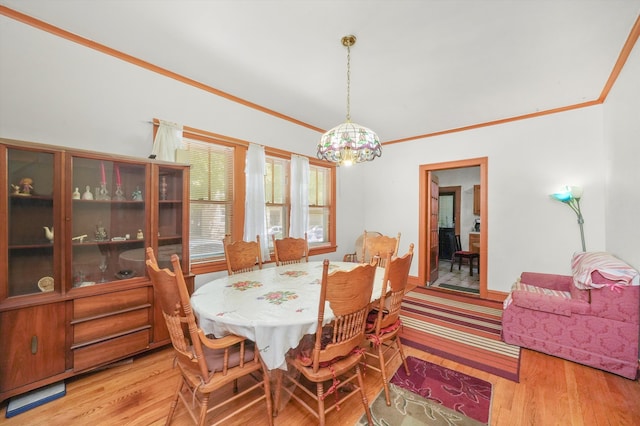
pixel 207 365
pixel 334 359
pixel 379 245
pixel 290 250
pixel 460 254
pixel 356 255
pixel 383 323
pixel 242 256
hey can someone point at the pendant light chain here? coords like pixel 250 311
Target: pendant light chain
pixel 348 82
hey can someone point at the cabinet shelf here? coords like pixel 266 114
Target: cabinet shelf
pixel 92 243
pixel 31 246
pixel 34 197
pixel 109 201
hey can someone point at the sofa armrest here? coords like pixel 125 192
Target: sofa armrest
pixel 542 299
pixel 550 281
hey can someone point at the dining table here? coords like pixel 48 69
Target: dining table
pixel 275 307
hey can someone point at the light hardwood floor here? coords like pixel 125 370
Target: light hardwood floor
pixel 551 391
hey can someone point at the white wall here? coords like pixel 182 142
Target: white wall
pixel 57 92
pixel 622 138
pixel 527 161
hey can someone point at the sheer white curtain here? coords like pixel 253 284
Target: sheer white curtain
pixel 299 222
pixel 255 210
pixel 168 139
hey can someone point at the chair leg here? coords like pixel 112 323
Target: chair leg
pixel 320 395
pixel 203 409
pixel 452 260
pixel 365 402
pixel 459 262
pixel 383 371
pixel 471 266
pixel 174 403
pixel 404 359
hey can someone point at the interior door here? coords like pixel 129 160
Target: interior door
pixel 433 194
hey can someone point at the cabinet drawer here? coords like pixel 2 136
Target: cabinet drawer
pixel 110 350
pixel 95 329
pixel 106 303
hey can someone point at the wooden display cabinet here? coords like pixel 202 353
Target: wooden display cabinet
pixel 75 294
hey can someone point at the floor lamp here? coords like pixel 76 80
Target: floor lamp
pixel 570 196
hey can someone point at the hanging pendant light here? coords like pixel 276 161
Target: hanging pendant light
pixel 349 142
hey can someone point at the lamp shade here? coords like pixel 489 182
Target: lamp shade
pixel 576 192
pixel 349 143
pixel 564 196
pixel 568 193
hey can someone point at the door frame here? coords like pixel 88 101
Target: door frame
pixel 423 233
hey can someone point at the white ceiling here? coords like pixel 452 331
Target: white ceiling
pixel 417 68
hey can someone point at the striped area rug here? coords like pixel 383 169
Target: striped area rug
pixel 459 328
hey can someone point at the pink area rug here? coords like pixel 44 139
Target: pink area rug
pixel 454 390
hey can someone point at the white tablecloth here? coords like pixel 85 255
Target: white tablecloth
pixel 274 307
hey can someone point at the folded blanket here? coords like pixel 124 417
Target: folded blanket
pixel 584 264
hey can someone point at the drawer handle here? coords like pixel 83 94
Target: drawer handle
pixel 34 345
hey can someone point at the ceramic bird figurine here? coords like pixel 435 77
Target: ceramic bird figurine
pixel 48 233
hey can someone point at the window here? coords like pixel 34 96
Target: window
pixel 319 204
pixel 211 198
pixel 277 189
pixel 276 192
pixel 217 195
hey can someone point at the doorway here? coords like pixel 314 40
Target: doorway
pixel 449 202
pixel 428 226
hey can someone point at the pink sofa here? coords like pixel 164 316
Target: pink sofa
pixel 591 317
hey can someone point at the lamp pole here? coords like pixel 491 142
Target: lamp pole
pixel 580 223
pixel 574 203
pixel 571 197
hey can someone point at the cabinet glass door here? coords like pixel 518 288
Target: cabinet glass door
pixel 31 207
pixel 170 216
pixel 108 221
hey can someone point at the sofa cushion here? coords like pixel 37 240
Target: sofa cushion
pixel 600 269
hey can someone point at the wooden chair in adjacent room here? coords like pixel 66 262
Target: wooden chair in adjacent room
pixel 379 245
pixel 207 365
pixel 291 250
pixel 333 357
pixel 383 323
pixel 460 254
pixel 242 256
